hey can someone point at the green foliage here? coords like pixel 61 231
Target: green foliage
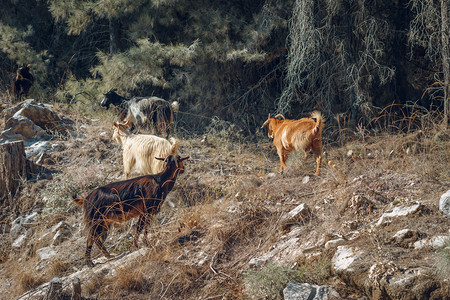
pixel 58 193
pixel 327 67
pixel 143 64
pixel 442 261
pixel 223 133
pixel 269 282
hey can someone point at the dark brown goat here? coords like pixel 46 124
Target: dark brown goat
pixel 22 82
pixel 121 201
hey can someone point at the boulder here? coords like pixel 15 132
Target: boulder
pixel 306 291
pixel 31 121
pixel 21 128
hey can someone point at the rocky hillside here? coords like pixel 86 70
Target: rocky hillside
pixel 368 227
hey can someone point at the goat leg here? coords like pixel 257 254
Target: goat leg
pixel 146 224
pixel 99 242
pixel 283 154
pixel 87 255
pixel 319 161
pixel 139 226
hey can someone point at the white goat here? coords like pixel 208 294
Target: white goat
pixel 140 150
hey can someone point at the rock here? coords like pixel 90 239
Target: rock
pixel 257 262
pixel 398 212
pixel 334 243
pixel 444 204
pixel 271 175
pixel 20 224
pixel 37 148
pixel 31 121
pixel 434 242
pixel 19 242
pixel 344 257
pixel 55 289
pixel 62 232
pixel 412 283
pixel 16 228
pixel 306 291
pixel 61 226
pixel 44 159
pixel 41 115
pixel 46 253
pixel 405 237
pixel 21 128
pixel 299 214
pixel 305 179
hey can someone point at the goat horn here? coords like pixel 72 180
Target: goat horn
pixel 126 124
pixel 265 123
pixel 279 115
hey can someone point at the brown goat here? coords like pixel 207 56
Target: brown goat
pixel 121 201
pixel 22 82
pixel 304 134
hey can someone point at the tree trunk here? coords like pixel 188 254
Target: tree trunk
pixel 114 35
pixel 445 58
pixel 13 167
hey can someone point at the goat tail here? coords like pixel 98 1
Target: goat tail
pixel 175 105
pixel 77 201
pixel 319 121
pixel 174 147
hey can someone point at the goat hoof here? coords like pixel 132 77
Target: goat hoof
pixel 90 264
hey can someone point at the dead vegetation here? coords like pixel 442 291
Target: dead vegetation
pixel 226 210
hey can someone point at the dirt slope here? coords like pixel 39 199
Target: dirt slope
pixel 225 222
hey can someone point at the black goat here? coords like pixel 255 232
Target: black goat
pixel 121 201
pixel 150 113
pixel 23 82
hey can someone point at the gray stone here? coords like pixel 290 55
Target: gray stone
pixel 30 121
pixel 344 257
pixel 299 214
pixel 17 228
pixel 37 148
pixel 444 204
pixel 46 253
pixel 434 242
pixel 257 262
pixel 306 291
pixel 19 242
pixel 396 212
pixel 334 243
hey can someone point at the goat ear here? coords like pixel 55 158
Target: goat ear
pixel 184 158
pixel 159 158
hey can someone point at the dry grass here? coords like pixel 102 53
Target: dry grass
pixel 26 280
pixel 227 211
